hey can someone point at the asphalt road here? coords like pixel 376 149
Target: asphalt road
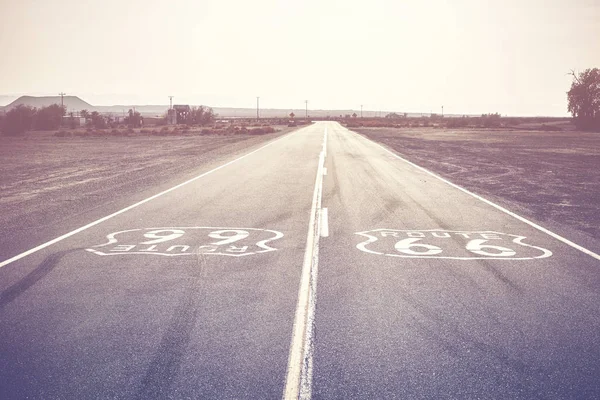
pixel 210 290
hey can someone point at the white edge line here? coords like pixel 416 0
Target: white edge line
pixel 324 223
pixel 139 203
pixel 298 380
pixel 504 210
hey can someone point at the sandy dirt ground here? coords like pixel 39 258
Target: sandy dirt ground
pixel 549 176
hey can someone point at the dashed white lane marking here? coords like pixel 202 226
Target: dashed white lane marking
pixel 324 223
pixel 498 207
pixel 139 203
pixel 298 382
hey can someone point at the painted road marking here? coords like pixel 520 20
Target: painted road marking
pixel 324 223
pixel 139 203
pixel 298 382
pixel 455 245
pixel 498 207
pixel 188 241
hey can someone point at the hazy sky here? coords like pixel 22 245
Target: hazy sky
pixel 472 56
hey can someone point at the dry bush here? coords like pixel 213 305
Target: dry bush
pixel 262 131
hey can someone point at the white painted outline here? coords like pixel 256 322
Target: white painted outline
pixel 324 222
pixel 517 239
pixel 498 207
pixel 298 381
pixel 262 244
pixel 139 203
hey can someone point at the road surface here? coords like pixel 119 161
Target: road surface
pixel 319 266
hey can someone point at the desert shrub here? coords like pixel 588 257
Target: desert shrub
pixel 490 120
pixel 461 122
pixel 62 134
pixel 261 130
pixel 145 131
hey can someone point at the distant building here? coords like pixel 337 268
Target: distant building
pixel 183 111
pixel 171 117
pixel 178 114
pixel 74 121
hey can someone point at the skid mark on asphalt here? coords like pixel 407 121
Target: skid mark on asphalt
pixel 41 271
pixel 166 363
pixel 461 344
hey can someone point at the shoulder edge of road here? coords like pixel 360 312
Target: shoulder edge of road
pixel 491 203
pixel 139 203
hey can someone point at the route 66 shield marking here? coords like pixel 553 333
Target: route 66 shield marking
pixel 456 245
pixel 186 241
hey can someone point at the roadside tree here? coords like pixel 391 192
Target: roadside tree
pixel 584 99
pixel 201 115
pixel 133 119
pixel 98 120
pixel 49 118
pixel 19 119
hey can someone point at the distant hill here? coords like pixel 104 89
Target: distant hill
pixel 4 100
pixel 70 102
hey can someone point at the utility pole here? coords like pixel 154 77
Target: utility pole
pixel 361 110
pixel 306 102
pixel 62 105
pixel 257 107
pixel 171 102
pixel 62 94
pixel 442 111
